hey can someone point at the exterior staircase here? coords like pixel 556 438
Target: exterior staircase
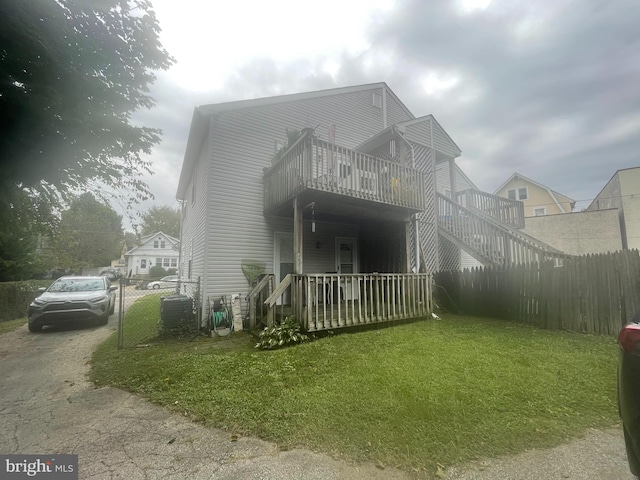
pixel 491 238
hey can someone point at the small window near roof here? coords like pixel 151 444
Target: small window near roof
pixel 511 194
pixel 539 212
pixel 377 99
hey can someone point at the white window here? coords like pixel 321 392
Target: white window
pixel 162 244
pixel 174 262
pixel 158 261
pixel 155 244
pixel 522 193
pixel 539 211
pixel 447 193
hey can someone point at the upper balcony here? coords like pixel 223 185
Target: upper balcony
pixel 348 181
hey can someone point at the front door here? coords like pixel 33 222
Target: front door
pixel 346 255
pixel 283 258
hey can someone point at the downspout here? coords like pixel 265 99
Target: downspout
pixel 435 198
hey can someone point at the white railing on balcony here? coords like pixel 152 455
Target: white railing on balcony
pixel 311 163
pixel 490 241
pixel 505 210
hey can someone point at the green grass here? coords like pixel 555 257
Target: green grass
pixel 413 396
pixel 10 325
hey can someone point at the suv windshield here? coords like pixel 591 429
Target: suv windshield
pixel 77 285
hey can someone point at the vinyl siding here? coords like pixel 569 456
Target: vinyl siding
pixel 194 219
pixel 395 112
pixel 420 133
pixel 242 146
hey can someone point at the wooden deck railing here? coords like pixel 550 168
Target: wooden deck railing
pixel 510 212
pixel 258 312
pixel 312 163
pixel 490 241
pixel 331 301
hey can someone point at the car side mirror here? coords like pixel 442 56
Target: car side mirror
pixel 113 288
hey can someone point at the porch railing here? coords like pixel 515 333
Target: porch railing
pixel 510 212
pixel 312 163
pixel 490 241
pixel 258 312
pixel 331 301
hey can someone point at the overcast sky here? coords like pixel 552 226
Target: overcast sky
pixel 549 89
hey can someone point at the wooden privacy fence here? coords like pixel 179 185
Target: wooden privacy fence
pixel 591 294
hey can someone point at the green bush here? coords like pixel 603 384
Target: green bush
pixel 156 272
pixel 15 297
pixel 281 335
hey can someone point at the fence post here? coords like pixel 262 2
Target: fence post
pixel 121 313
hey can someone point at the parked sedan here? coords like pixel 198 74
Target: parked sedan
pixel 71 299
pixel 629 390
pixel 170 281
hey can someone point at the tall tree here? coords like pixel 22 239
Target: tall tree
pixel 161 219
pixel 72 72
pixel 90 235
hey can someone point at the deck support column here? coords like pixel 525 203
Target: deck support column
pixel 297 236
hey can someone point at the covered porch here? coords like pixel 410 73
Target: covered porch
pixel 342 255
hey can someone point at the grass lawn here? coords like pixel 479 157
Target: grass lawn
pixel 413 396
pixel 11 325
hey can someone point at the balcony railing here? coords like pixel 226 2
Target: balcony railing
pixel 503 209
pixel 491 242
pixel 311 163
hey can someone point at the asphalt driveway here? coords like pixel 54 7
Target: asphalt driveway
pixel 48 406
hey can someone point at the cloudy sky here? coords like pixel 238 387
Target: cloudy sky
pixel 547 88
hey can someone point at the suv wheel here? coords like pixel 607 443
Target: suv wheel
pixel 34 327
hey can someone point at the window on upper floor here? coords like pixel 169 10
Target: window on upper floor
pixel 447 193
pixel 523 194
pixel 518 194
pixel 156 244
pixel 539 211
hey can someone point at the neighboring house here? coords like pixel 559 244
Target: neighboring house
pixel 622 192
pixel 348 212
pixel 155 249
pixel 538 199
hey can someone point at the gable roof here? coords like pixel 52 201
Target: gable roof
pixel 147 238
pixel 431 118
pixel 201 115
pixel 557 197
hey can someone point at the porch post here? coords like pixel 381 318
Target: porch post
pixel 452 180
pixel 297 236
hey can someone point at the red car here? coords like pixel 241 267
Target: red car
pixel 629 390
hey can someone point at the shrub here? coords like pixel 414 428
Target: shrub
pixel 285 333
pixel 157 272
pixel 15 297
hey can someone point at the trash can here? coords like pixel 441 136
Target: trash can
pixel 175 310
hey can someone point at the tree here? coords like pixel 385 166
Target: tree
pixel 72 72
pixel 90 235
pixel 161 219
pixel 24 226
